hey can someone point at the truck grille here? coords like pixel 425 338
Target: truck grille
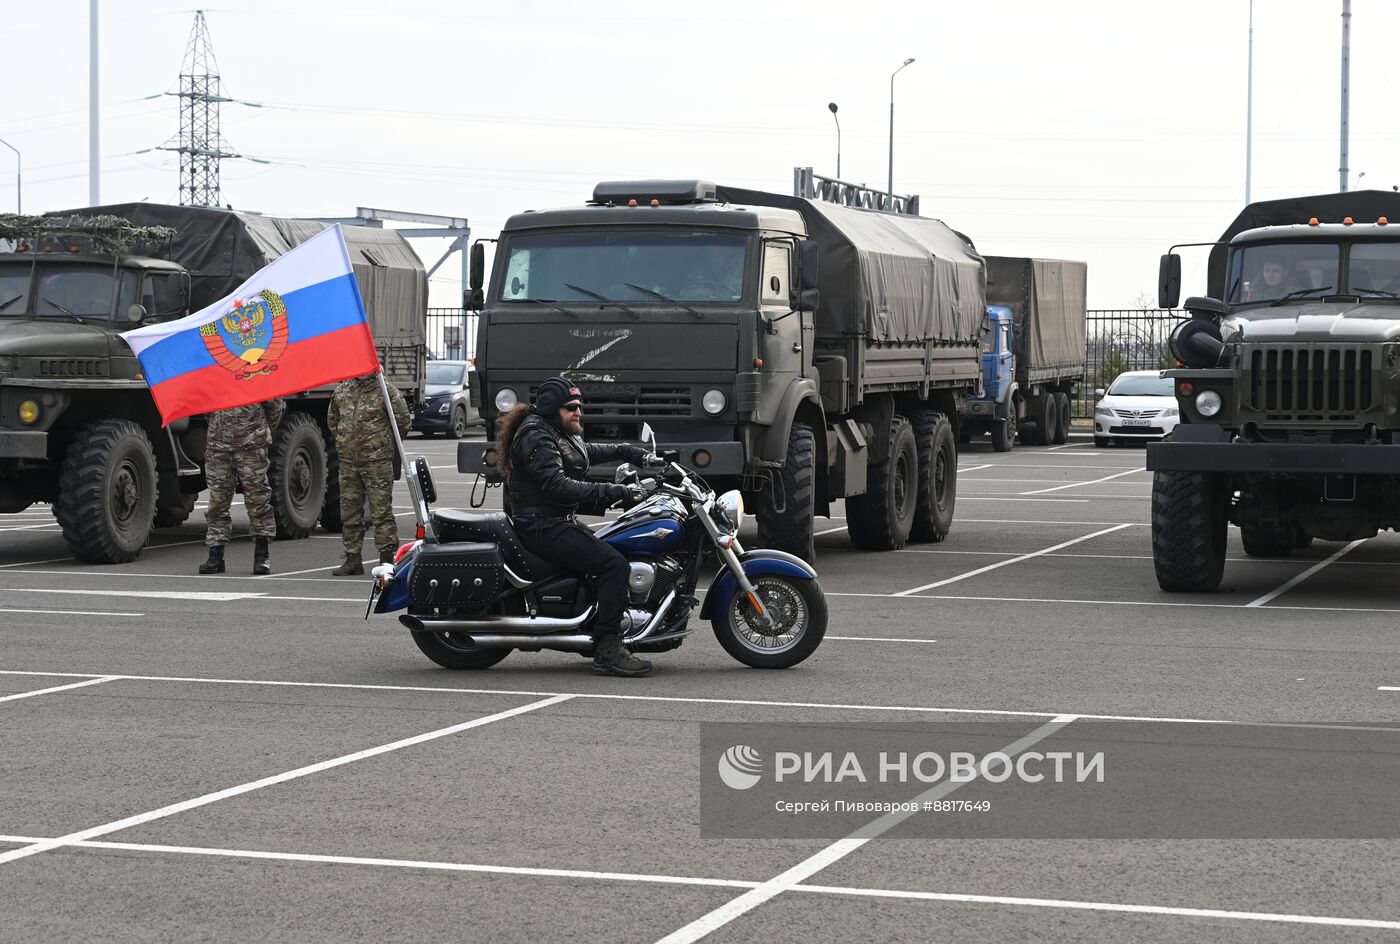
pixel 622 400
pixel 1314 382
pixel 73 367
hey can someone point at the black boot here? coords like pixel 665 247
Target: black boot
pixel 386 555
pixel 611 657
pixel 351 567
pixel 215 563
pixel 260 562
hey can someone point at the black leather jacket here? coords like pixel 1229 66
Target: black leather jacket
pixel 549 469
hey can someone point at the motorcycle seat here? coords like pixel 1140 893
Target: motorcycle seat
pixel 453 525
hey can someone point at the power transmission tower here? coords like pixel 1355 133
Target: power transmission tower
pixel 201 146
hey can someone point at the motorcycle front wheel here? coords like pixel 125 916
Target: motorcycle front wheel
pixel 448 652
pixel 796 623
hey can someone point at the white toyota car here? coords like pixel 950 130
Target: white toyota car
pixel 1139 404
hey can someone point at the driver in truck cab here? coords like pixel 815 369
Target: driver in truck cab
pixel 544 462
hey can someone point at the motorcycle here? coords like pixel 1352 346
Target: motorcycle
pixel 472 593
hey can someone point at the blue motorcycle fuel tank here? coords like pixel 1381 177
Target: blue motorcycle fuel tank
pixel 648 537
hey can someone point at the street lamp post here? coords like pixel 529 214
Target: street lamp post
pixel 896 72
pixel 19 185
pixel 832 106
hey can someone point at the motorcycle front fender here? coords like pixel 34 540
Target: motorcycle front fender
pixel 756 563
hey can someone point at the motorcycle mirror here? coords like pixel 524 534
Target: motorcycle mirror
pixel 648 435
pixel 624 473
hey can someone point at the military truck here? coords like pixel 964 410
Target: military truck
pixel 1289 388
pixel 801 351
pixel 1032 352
pixel 78 427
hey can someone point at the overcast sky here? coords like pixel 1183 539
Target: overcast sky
pixel 1099 130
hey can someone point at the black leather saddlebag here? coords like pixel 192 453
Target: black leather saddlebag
pixel 456 575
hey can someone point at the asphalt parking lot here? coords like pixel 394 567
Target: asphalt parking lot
pixel 236 757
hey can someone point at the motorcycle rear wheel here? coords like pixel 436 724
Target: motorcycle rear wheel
pixel 443 649
pixel 798 610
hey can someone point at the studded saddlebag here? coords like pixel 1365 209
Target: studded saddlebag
pixel 456 575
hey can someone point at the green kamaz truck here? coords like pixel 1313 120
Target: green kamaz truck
pixel 1289 388
pixel 78 427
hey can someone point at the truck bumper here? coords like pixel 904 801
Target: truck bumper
pixel 23 444
pixel 1202 454
pixel 722 458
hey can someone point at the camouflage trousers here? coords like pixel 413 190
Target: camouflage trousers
pixel 223 470
pixel 373 480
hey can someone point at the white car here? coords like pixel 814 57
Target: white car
pixel 1139 404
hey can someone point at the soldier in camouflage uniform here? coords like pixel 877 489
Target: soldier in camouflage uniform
pixel 236 450
pixel 366 445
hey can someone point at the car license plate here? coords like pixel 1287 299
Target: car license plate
pixel 1137 422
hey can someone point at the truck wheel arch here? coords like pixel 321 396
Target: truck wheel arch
pixel 802 397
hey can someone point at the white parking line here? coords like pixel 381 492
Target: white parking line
pixel 817 534
pixel 1106 478
pixel 876 639
pixel 141 818
pixel 60 688
pixel 799 873
pixel 1015 560
pixel 326 567
pixel 1008 498
pixel 9 609
pixel 1305 575
pixel 973 468
pixel 1083 602
pixel 205 596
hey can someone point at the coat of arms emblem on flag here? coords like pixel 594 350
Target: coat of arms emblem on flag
pixel 250 338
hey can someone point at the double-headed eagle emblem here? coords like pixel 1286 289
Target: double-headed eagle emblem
pixel 250 337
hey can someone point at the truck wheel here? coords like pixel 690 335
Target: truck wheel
pixel 1062 418
pixel 1268 540
pixel 1188 530
pixel 1004 434
pixel 791 529
pixel 1042 411
pixel 880 519
pixel 107 492
pixel 330 509
pixel 297 475
pixel 938 477
pixel 171 513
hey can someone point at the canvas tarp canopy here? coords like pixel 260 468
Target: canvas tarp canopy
pixel 1048 298
pixel 1363 206
pixel 887 277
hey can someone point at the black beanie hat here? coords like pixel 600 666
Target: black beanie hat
pixel 551 395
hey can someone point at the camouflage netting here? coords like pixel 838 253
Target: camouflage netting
pixel 102 234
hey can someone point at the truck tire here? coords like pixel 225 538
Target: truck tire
pixel 297 475
pixel 1004 434
pixel 1268 540
pixel 791 529
pixel 1189 523
pixel 880 520
pixel 330 508
pixel 173 512
pixel 1062 418
pixel 938 477
pixel 1042 412
pixel 107 492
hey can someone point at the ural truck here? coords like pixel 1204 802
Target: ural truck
pixel 1289 387
pixel 801 351
pixel 1032 352
pixel 78 427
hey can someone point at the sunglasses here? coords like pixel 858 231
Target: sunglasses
pixel 574 407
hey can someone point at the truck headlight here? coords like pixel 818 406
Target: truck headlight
pixel 1208 403
pixel 29 412
pixel 506 400
pixel 714 402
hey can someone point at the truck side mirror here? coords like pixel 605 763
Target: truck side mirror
pixel 135 314
pixel 808 262
pixel 1169 281
pixel 476 275
pixel 185 290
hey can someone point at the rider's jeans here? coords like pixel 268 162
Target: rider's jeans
pixel 572 548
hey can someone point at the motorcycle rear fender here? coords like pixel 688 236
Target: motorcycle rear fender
pixel 395 596
pixel 755 563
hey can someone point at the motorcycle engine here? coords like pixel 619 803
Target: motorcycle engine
pixel 649 583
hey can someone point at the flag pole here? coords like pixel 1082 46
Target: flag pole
pixel 420 507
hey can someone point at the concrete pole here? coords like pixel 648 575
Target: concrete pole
pixel 1249 110
pixel 94 143
pixel 1346 86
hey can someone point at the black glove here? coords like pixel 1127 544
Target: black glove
pixel 619 495
pixel 648 460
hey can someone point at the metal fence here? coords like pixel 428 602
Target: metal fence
pixel 1118 339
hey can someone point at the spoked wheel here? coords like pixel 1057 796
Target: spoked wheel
pixel 452 651
pixel 796 610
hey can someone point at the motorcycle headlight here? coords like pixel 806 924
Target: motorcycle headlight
pixel 714 402
pixel 731 506
pixel 506 400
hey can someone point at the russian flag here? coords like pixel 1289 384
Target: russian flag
pixel 296 324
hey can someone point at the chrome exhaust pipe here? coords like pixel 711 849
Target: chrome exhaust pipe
pixel 539 625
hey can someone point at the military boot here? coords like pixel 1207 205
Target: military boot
pixel 350 568
pixel 386 555
pixel 260 561
pixel 215 563
pixel 611 657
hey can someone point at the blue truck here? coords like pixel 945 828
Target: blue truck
pixel 1033 345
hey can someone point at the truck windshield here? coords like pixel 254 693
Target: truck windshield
pixel 1268 272
pixel 626 265
pixel 40 287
